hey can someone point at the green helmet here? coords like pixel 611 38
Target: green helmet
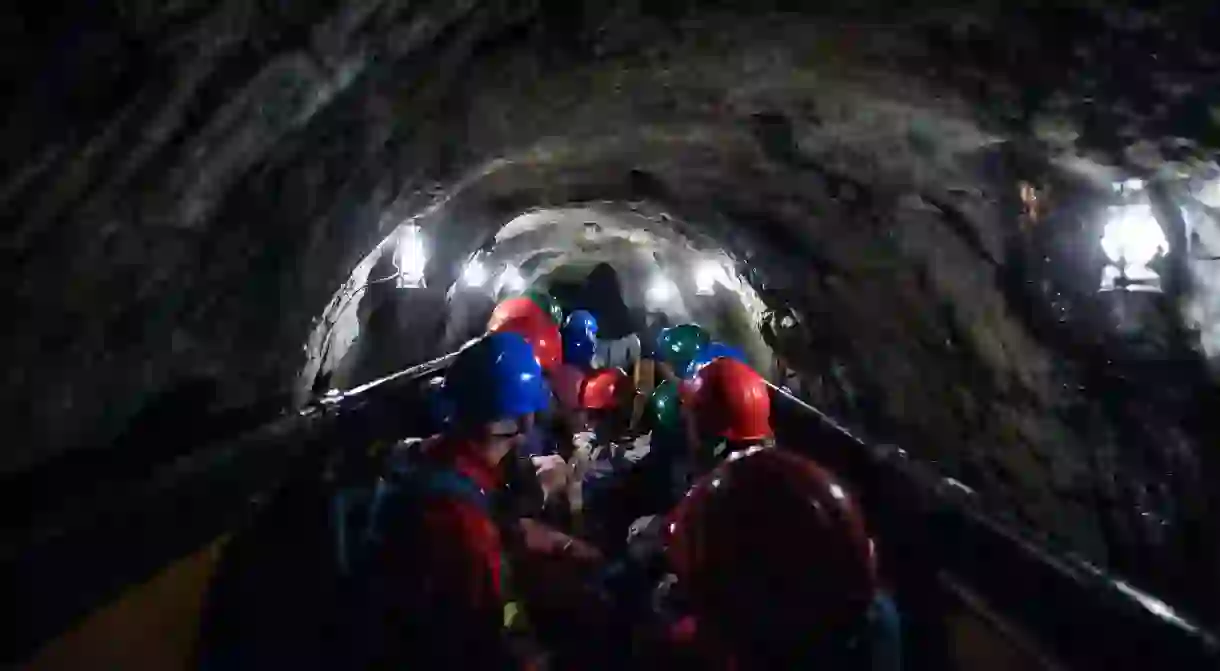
pixel 548 304
pixel 681 345
pixel 662 411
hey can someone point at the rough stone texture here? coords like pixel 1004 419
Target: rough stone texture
pixel 186 187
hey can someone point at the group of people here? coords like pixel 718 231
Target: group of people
pixel 552 521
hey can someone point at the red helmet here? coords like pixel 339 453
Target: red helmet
pixel 514 308
pixel 540 332
pixel 769 542
pixel 730 401
pixel 604 389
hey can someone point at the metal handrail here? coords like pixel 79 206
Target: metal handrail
pixel 63 569
pixel 64 564
pixel 1079 613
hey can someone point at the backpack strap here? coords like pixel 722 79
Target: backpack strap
pixel 885 634
pixel 414 485
pixel 448 483
pixel 430 482
pixel 404 492
pixel 347 506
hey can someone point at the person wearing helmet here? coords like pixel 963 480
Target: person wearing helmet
pixel 662 413
pixel 714 350
pixel 727 408
pixel 435 546
pixel 520 307
pixel 548 304
pixel 665 470
pixel 657 473
pixel 542 336
pixel 580 338
pixel 524 318
pixel 541 473
pixel 776 570
pixel 679 347
pixel 603 403
pixel 579 334
pixel 404 569
pixel 600 417
pixel 619 343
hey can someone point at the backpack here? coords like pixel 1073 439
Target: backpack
pixel 295 588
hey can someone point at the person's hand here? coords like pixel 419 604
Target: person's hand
pixel 583 440
pixel 553 474
pixel 541 539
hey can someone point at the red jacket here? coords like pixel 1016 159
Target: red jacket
pixel 464 543
pixel 448 573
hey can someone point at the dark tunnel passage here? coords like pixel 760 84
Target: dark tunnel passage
pixel 988 235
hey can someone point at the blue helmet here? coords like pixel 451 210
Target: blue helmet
pixel 718 349
pixel 714 350
pixel 579 338
pixel 496 378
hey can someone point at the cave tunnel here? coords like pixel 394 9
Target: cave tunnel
pixel 988 235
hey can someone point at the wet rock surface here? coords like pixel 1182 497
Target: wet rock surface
pixel 186 187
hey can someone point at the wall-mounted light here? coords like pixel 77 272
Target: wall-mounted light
pixel 1131 239
pixel 475 274
pixel 511 280
pixel 661 291
pixel 1132 235
pixel 411 257
pixel 709 273
pixel 705 277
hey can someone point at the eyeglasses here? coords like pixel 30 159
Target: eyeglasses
pixel 507 429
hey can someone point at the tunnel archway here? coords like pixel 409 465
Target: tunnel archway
pixel 541 249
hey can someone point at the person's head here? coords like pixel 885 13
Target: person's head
pixel 548 304
pixel 494 388
pixel 519 307
pixel 727 404
pixel 681 346
pixel 604 403
pixel 663 418
pixel 714 350
pixel 773 555
pixel 524 318
pixel 579 339
pixel 603 296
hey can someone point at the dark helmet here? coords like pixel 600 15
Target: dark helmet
pixel 772 550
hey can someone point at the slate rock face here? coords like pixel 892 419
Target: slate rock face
pixel 186 187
